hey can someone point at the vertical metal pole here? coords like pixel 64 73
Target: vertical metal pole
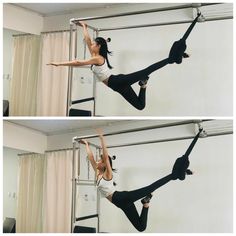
pixel 73 219
pixel 88 164
pixel 78 162
pixel 76 38
pixel 94 83
pixel 70 72
pixel 85 46
pixel 98 202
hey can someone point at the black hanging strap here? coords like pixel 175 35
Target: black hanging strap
pixel 190 148
pixel 187 33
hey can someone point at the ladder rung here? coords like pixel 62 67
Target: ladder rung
pixel 83 100
pixel 82 67
pixel 86 217
pixel 87 184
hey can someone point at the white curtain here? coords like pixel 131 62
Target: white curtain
pixel 30 197
pixel 23 90
pixel 52 84
pixel 58 192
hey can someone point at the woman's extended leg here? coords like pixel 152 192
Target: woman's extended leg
pixel 120 81
pixel 142 192
pixel 142 74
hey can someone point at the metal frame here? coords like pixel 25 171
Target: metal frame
pixel 75 22
pixel 170 8
pixel 98 153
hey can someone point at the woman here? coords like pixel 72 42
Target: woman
pixel 120 83
pixel 125 199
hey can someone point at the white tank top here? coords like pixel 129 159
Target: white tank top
pixel 101 72
pixel 105 187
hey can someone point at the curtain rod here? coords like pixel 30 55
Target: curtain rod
pixel 59 150
pixel 56 150
pixel 29 153
pixel 44 32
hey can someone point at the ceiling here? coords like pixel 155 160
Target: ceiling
pixel 51 127
pixel 54 127
pixel 52 9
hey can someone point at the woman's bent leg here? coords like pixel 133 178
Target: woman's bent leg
pixel 139 222
pixel 139 102
pixel 123 201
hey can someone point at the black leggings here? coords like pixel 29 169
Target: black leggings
pixel 122 84
pixel 125 201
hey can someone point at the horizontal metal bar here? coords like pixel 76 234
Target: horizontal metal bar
pixel 145 25
pixel 82 100
pixel 178 7
pixel 162 24
pixel 86 180
pixel 82 67
pixel 91 144
pixel 164 140
pixel 219 18
pixel 219 134
pixel 177 123
pixel 66 30
pixel 149 142
pixel 86 184
pixel 86 217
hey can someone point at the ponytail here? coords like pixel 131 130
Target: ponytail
pixel 114 170
pixel 104 49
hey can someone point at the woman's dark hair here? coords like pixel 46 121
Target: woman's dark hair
pixel 104 49
pixel 114 170
pixel 110 160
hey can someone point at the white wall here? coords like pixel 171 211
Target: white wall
pixel 194 88
pixel 16 18
pixel 15 21
pixel 10 176
pixel 202 203
pixel 7 62
pixel 18 137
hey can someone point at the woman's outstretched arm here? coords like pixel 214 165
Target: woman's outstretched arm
pixel 91 61
pixel 90 154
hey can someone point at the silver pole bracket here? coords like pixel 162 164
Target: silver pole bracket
pixel 72 21
pixel 203 134
pixel 75 139
pixel 201 18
